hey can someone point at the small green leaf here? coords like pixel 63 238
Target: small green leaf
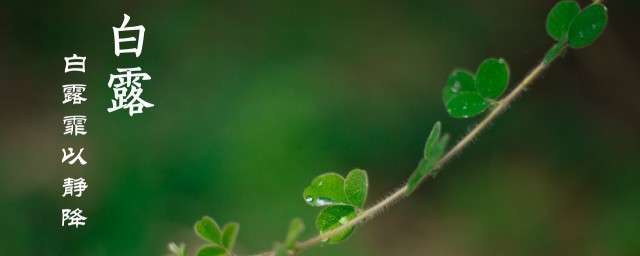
pixel 438 152
pixel 587 26
pixel 356 186
pixel 279 250
pixel 335 216
pixel 209 230
pixel 439 149
pixel 555 51
pixel 459 81
pixel 492 78
pixel 326 189
pixel 229 235
pixel 560 18
pixel 422 171
pixel 212 250
pixel 295 230
pixel 466 105
pixel 434 136
pixel 427 165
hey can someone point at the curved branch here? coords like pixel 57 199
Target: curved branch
pixel 399 194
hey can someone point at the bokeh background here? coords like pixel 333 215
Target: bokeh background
pixel 254 99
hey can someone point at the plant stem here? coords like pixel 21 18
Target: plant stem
pixel 502 105
pixel 367 214
pixel 399 194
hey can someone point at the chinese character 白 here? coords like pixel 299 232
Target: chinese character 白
pixel 72 218
pixel 66 156
pixel 118 40
pixel 73 92
pixel 127 91
pixel 74 63
pixel 72 186
pixel 74 125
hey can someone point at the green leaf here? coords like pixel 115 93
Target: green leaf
pixel 555 51
pixel 466 105
pixel 426 166
pixel 295 230
pixel 438 152
pixel 439 149
pixel 229 235
pixel 560 18
pixel 326 189
pixel 587 26
pixel 492 78
pixel 212 250
pixel 434 136
pixel 356 186
pixel 459 81
pixel 422 171
pixel 209 230
pixel 335 216
pixel 279 250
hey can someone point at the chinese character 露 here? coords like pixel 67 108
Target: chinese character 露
pixel 72 218
pixel 74 125
pixel 66 156
pixel 73 92
pixel 127 91
pixel 72 186
pixel 116 36
pixel 74 63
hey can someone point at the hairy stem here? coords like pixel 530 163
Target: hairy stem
pixel 399 194
pixel 502 105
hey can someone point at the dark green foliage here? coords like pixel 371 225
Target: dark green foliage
pixel 570 26
pixel 587 26
pixel 466 95
pixel 560 18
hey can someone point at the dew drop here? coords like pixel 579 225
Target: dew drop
pixel 322 202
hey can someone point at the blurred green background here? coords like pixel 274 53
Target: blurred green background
pixel 254 99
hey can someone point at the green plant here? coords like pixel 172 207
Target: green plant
pixel 465 95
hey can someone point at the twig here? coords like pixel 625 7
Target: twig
pixel 399 194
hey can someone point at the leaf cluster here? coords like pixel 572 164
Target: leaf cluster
pixel 467 95
pixel 342 199
pixel 572 27
pixel 221 241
